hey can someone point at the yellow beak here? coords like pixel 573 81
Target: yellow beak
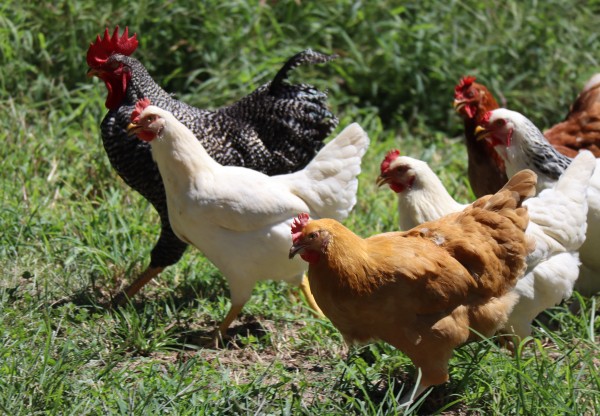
pixel 132 129
pixel 481 133
pixel 382 180
pixel 457 103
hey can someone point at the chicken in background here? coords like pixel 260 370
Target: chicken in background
pixel 579 131
pixel 485 168
pixel 421 195
pixel 557 224
pixel 581 128
pixel 240 218
pixel 276 129
pixel 425 291
pixel 523 146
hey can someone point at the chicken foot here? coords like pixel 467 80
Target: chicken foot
pixel 234 311
pixel 413 394
pixel 137 285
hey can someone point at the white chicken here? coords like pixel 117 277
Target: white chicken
pixel 240 218
pixel 521 144
pixel 557 223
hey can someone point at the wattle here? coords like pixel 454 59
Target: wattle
pixel 310 256
pixel 117 87
pixel 145 135
pixel 470 109
pixel 397 187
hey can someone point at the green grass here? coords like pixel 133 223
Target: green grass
pixel 72 233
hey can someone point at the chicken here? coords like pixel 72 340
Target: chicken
pixel 522 145
pixel 276 129
pixel 557 224
pixel 240 218
pixel 425 291
pixel 485 169
pixel 421 195
pixel 580 130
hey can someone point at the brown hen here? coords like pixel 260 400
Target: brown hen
pixel 581 128
pixel 425 291
pixel 486 169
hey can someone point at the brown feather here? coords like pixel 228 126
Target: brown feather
pixel 581 128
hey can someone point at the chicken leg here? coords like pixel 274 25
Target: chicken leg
pixel 305 287
pixel 234 311
pixel 137 284
pixel 411 396
pixel 221 333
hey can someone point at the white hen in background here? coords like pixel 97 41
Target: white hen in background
pixel 240 218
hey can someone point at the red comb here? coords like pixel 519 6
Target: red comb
pixel 389 158
pixel 464 83
pixel 104 47
pixel 139 107
pixel 298 225
pixel 485 119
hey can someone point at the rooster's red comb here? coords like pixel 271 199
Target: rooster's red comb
pixel 139 107
pixel 389 158
pixel 298 225
pixel 99 51
pixel 464 83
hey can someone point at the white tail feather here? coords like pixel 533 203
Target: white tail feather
pixel 329 183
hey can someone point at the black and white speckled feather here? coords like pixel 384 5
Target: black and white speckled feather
pixel 545 158
pixel 276 129
pixel 529 148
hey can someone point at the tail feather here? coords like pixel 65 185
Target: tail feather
pixel 329 183
pixel 307 56
pixel 292 120
pixel 519 187
pixel 523 183
pixel 561 211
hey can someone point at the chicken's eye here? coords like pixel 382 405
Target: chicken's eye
pixel 469 94
pixel 500 122
pixel 312 236
pixel 113 65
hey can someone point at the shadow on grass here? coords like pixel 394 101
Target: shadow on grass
pixel 98 295
pixel 99 299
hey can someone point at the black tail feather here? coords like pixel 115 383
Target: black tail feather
pixel 307 56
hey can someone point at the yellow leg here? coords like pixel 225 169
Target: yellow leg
pixel 234 311
pixel 305 287
pixel 137 284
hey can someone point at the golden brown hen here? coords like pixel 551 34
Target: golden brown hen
pixel 425 291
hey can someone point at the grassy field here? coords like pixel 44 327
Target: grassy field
pixel 72 233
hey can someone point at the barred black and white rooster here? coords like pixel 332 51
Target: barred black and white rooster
pixel 276 129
